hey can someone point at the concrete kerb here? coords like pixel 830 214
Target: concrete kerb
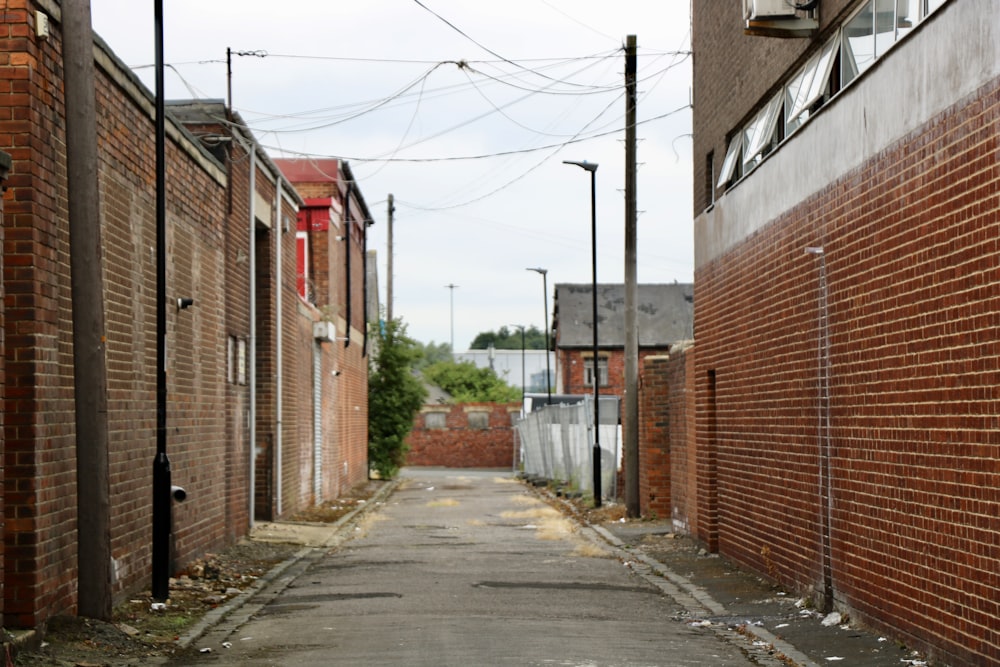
pixel 694 599
pixel 273 579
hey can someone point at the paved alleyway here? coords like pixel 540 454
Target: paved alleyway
pixel 466 568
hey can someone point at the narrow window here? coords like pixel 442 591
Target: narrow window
pixel 602 371
pixel 709 179
pixel 435 420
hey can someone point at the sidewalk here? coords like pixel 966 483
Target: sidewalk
pixel 720 595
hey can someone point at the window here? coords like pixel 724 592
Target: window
pixel 602 370
pixel 759 135
pixel 710 178
pixel 810 85
pixel 435 420
pixel 866 36
pixel 231 359
pixel 479 421
pixel 241 361
pixel 302 265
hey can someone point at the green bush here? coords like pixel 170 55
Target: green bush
pixel 395 396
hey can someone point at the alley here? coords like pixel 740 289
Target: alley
pixel 465 568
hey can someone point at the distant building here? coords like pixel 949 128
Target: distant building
pixel 665 316
pixel 507 364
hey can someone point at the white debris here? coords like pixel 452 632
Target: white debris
pixel 700 624
pixel 800 603
pixel 834 658
pixel 782 625
pixel 832 619
pixel 227 644
pixel 205 650
pixel 158 606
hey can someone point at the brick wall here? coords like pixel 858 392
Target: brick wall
pixel 5 160
pixel 667 474
pixel 910 240
pixel 654 437
pixel 460 445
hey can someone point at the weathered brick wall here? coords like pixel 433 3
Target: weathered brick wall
pixel 571 366
pixel 910 240
pixel 667 475
pixel 458 445
pixel 654 437
pixel 39 452
pixel 3 353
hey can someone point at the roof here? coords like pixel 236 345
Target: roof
pixel 665 314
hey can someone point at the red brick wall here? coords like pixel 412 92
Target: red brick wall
pixel 39 455
pixel 654 437
pixel 3 354
pixel 911 247
pixel 571 366
pixel 667 474
pixel 458 445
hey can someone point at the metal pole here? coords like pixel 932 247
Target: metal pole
pixel 545 324
pixel 391 209
pixel 452 286
pixel 592 168
pixel 161 465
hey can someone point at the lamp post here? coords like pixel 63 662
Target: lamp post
pixel 545 326
pixel 452 286
pixel 592 168
pixel 521 327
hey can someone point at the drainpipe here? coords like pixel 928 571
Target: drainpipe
pixel 823 431
pixel 347 262
pixel 252 344
pixel 280 227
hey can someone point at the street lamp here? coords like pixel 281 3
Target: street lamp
pixel 521 327
pixel 545 326
pixel 452 286
pixel 592 168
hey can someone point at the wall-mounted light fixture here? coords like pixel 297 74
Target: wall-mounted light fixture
pixel 184 302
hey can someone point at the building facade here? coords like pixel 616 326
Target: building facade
pixel 242 364
pixel 846 284
pixel 664 317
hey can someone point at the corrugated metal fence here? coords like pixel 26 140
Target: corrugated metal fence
pixel 556 443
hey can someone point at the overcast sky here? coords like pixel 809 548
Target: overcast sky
pixel 464 111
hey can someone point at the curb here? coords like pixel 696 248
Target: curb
pixel 685 592
pixel 221 613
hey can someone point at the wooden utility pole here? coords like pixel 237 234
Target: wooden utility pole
pixel 90 375
pixel 388 268
pixel 631 422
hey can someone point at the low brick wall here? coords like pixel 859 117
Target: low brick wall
pixel 469 435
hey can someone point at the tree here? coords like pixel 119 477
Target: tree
pixel 432 352
pixel 395 396
pixel 506 338
pixel 469 384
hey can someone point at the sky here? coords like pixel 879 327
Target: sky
pixel 464 112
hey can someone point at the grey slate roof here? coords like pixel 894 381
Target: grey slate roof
pixel 665 315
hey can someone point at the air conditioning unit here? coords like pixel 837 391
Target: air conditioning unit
pixel 781 18
pixel 768 9
pixel 324 331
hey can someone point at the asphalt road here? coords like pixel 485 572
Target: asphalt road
pixel 465 568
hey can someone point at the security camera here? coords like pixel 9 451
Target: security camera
pixel 178 493
pixel 184 302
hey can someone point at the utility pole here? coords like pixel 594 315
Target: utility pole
pixel 388 269
pixel 90 380
pixel 630 428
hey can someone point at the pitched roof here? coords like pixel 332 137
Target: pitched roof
pixel 664 314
